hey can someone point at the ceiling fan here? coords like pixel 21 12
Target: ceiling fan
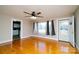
pixel 33 15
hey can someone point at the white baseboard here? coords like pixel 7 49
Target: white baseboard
pixel 30 36
pixel 48 37
pixel 5 41
pixel 11 40
pixel 26 36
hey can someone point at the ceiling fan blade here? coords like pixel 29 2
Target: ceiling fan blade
pixel 27 13
pixel 38 13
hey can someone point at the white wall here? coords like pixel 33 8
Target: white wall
pixel 77 27
pixel 27 29
pixel 6 28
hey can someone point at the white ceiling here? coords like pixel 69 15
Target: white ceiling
pixel 48 11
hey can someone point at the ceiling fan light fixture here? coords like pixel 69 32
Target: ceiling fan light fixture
pixel 33 17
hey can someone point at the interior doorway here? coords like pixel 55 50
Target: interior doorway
pixel 16 30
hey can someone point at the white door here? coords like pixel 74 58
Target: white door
pixel 64 30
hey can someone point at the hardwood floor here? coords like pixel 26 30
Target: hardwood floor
pixel 35 45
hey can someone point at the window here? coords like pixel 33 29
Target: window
pixel 42 28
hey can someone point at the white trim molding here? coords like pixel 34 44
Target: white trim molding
pixel 5 41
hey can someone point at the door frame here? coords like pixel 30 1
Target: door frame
pixel 21 31
pixel 71 17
